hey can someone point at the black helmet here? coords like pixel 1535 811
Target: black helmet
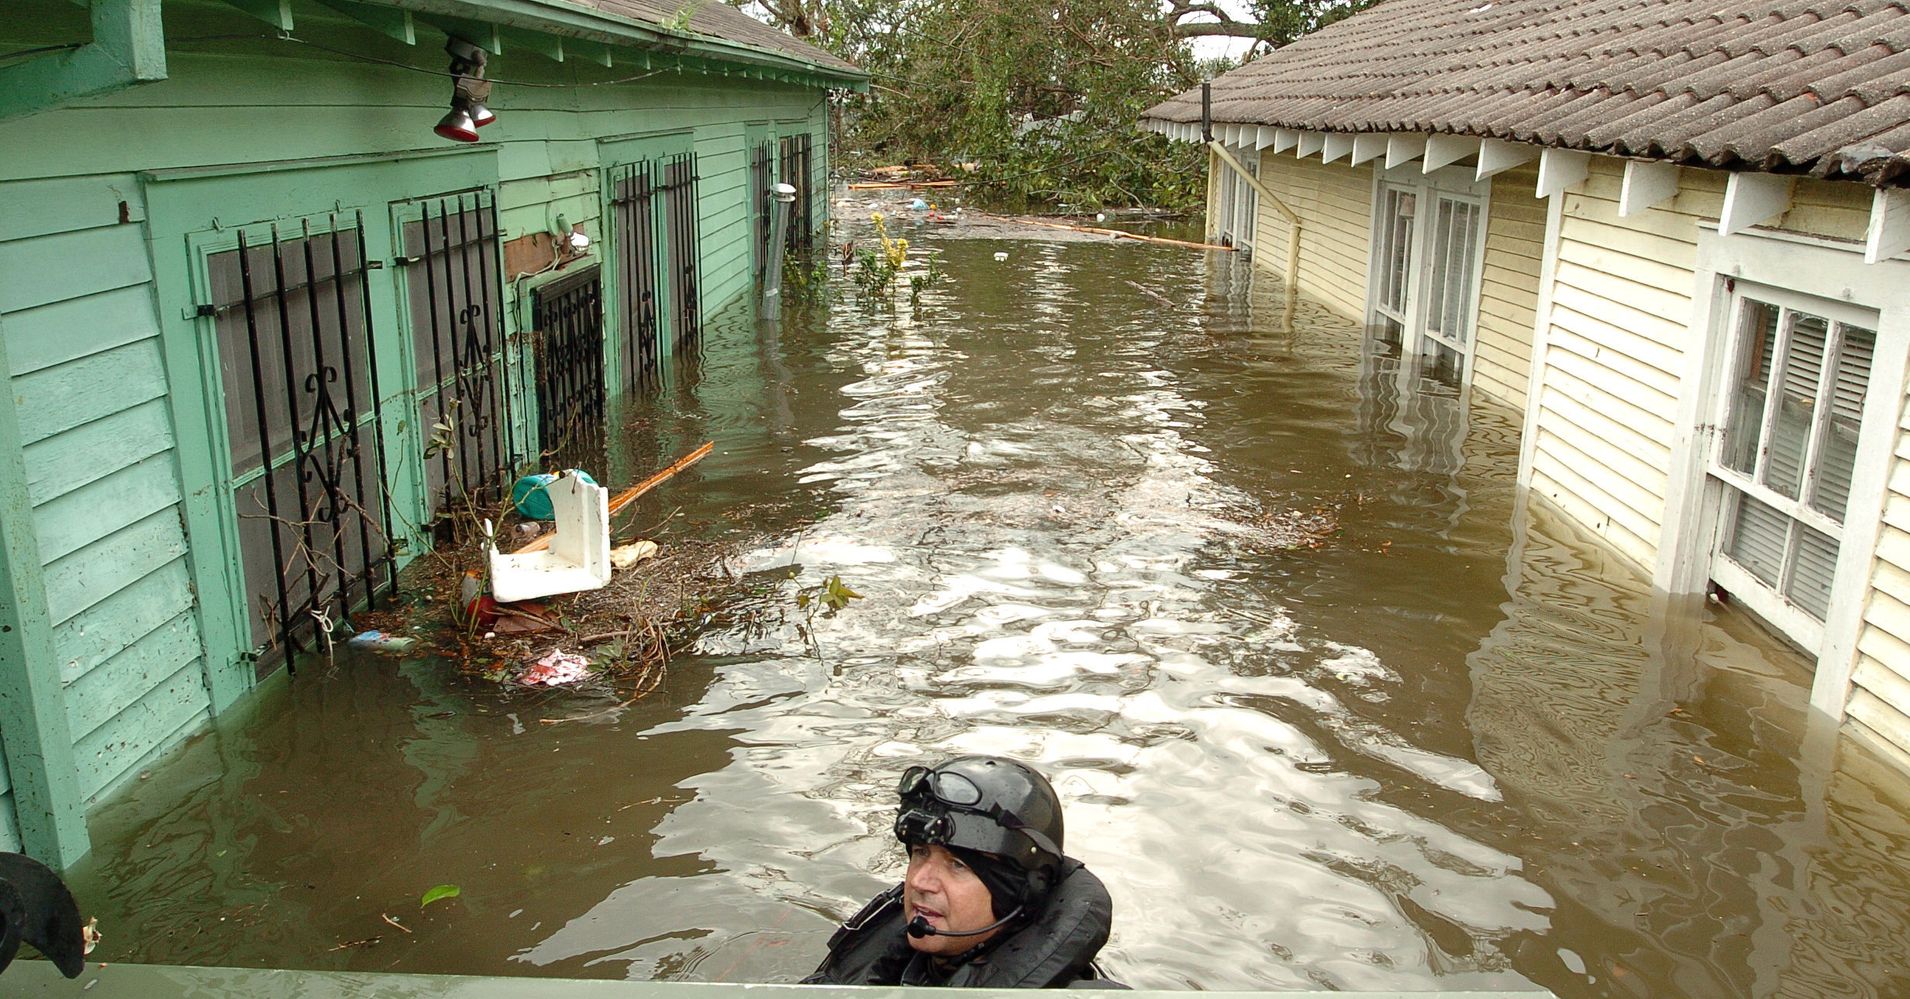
pixel 985 803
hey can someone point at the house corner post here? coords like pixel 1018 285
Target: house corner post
pixel 47 801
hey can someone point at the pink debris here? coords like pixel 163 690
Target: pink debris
pixel 555 669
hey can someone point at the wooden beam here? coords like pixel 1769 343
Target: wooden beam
pixel 1496 156
pixel 1754 198
pixel 602 54
pixel 1403 149
pixel 1264 136
pixel 390 21
pixel 1338 145
pixel 1889 225
pixel 1367 146
pixel 1310 143
pixel 1445 150
pixel 128 48
pixel 1648 183
pixel 277 13
pixel 1285 139
pixel 1562 169
pixel 1266 193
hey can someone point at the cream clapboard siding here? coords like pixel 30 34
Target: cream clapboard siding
pixel 1334 202
pixel 1879 705
pixel 89 387
pixel 1601 436
pixel 1509 287
pixel 1335 205
pixel 1618 331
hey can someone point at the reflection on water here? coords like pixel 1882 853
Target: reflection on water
pixel 1329 704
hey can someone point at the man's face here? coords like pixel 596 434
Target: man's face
pixel 942 889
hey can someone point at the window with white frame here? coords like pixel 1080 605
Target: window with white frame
pixel 1236 202
pixel 1789 414
pixel 1428 247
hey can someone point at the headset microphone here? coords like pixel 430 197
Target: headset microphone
pixel 919 927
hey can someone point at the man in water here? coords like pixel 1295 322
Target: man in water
pixel 990 901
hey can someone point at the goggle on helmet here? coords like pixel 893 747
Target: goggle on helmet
pixel 944 806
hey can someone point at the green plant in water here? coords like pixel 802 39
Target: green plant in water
pixel 806 278
pixel 919 283
pixel 832 594
pixel 438 892
pixel 877 270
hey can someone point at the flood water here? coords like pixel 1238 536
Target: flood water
pixel 1330 705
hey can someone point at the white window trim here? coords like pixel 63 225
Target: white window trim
pixel 1824 269
pixel 1236 201
pixel 1451 181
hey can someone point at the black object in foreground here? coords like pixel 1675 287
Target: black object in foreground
pixel 36 908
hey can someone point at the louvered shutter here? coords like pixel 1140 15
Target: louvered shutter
pixel 1837 460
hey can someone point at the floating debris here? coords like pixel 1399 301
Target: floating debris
pixel 556 669
pixel 381 641
pixel 625 556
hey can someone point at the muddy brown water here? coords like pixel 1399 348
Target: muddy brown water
pixel 1331 705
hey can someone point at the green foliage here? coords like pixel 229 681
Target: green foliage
pixel 806 278
pixel 437 893
pixel 876 270
pixel 679 22
pixel 832 594
pixel 1040 97
pixel 1034 102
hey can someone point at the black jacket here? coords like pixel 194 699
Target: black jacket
pixel 1055 949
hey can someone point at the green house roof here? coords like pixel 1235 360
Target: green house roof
pixel 712 30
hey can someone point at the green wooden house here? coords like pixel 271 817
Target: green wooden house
pixel 260 319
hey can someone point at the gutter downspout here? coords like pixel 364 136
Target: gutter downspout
pixel 1293 223
pixel 128 48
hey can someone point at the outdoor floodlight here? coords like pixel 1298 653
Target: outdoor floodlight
pixel 457 125
pixel 468 113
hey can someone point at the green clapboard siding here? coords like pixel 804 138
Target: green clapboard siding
pixel 61 266
pixel 141 605
pixel 9 830
pixel 85 577
pixel 114 751
pixel 89 452
pixel 106 427
pixel 118 683
pixel 57 399
pixel 76 519
pixel 51 205
pixel 72 329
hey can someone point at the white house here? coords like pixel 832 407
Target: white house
pixel 1671 233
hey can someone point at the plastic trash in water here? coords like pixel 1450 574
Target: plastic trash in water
pixel 555 669
pixel 1100 216
pixel 918 205
pixel 381 641
pixel 578 557
pixel 1001 255
pixel 632 553
pixel 531 494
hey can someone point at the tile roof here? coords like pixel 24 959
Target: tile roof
pixel 716 19
pixel 1790 86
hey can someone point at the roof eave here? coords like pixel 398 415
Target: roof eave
pixel 571 21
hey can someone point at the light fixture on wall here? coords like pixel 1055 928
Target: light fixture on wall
pixel 571 240
pixel 468 113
